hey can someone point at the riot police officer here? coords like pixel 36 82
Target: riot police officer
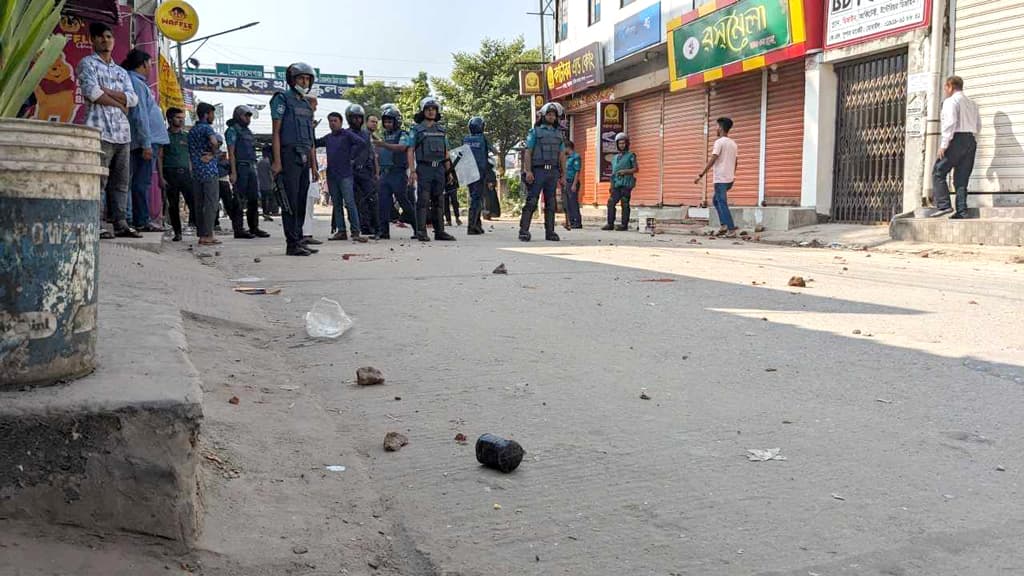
pixel 545 167
pixel 481 149
pixel 294 153
pixel 428 164
pixel 394 163
pixel 242 153
pixel 364 171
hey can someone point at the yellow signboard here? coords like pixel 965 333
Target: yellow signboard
pixel 530 83
pixel 170 90
pixel 177 20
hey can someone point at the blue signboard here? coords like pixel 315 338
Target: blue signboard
pixel 639 31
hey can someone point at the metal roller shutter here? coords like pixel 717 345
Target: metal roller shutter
pixel 683 146
pixel 784 136
pixel 643 124
pixel 584 136
pixel 988 57
pixel 740 99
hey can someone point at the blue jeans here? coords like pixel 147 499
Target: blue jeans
pixel 343 194
pixel 721 203
pixel 142 180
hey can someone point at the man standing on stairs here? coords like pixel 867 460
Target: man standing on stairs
pixel 960 126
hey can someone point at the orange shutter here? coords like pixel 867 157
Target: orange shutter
pixel 643 125
pixel 584 135
pixel 739 98
pixel 785 136
pixel 683 146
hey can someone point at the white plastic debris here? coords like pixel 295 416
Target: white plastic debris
pixel 334 468
pixel 759 455
pixel 327 320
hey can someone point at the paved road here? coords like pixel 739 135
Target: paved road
pixel 893 385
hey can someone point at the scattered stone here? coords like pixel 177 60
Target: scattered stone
pixel 838 497
pixel 373 563
pixel 744 233
pixel 924 254
pixel 257 260
pixel 771 369
pixel 369 376
pixel 1000 469
pixel 497 506
pixel 644 395
pixel 1017 260
pixel 461 438
pixel 856 332
pixel 759 228
pixel 300 549
pixel 393 441
pixel 234 400
pixel 398 397
pixel 216 252
pixel 764 455
pixel 798 282
pixel 973 302
pixel 501 269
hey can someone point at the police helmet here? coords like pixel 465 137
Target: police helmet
pixel 621 136
pixel 429 101
pixel 298 69
pixel 391 111
pixel 476 125
pixel 551 107
pixel 241 111
pixel 354 110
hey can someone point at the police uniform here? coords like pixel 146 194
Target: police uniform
pixel 394 183
pixel 364 179
pixel 481 147
pixel 296 136
pixel 547 144
pixel 430 144
pixel 247 188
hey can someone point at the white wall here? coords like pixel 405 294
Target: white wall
pixel 580 34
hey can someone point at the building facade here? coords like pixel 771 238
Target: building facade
pixel 835 102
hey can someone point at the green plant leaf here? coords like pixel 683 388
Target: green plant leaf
pixel 11 103
pixel 28 47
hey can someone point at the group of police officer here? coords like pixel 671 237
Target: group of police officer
pixel 417 159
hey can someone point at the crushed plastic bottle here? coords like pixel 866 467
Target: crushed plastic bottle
pixel 498 453
pixel 327 320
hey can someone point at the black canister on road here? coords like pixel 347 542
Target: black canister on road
pixel 498 453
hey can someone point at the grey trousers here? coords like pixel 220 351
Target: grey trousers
pixel 207 203
pixel 114 186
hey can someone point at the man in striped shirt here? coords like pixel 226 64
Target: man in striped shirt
pixel 960 125
pixel 110 94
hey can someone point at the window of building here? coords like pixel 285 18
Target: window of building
pixel 594 11
pixel 561 20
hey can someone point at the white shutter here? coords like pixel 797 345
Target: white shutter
pixel 988 52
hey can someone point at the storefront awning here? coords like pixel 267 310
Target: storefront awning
pixel 93 10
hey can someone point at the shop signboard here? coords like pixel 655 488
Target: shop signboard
pixel 639 31
pixel 530 83
pixel 611 119
pixel 853 21
pixel 177 20
pixel 577 71
pixel 742 30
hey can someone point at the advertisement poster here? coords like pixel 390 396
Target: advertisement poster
pixel 611 120
pixel 851 21
pixel 577 71
pixel 639 31
pixel 57 99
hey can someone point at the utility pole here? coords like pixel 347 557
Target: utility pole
pixel 543 48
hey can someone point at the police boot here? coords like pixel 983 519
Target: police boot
pixel 421 225
pixel 549 226
pixel 439 233
pixel 525 219
pixel 472 229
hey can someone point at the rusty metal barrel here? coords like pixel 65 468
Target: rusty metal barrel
pixel 49 249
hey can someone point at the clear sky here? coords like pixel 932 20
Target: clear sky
pixel 390 40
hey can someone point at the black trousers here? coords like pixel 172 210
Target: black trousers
pixel 619 194
pixel 959 159
pixel 545 181
pixel 247 192
pixel 451 202
pixel 294 178
pixel 232 207
pixel 430 181
pixel 179 184
pixel 365 186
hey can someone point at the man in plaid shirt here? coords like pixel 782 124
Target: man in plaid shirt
pixel 108 90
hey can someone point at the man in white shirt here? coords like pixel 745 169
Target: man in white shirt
pixel 723 161
pixel 960 125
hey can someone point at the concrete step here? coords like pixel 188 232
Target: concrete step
pixel 986 231
pixel 998 212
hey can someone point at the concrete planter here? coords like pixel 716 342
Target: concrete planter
pixel 49 231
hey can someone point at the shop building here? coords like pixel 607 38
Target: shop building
pixel 674 68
